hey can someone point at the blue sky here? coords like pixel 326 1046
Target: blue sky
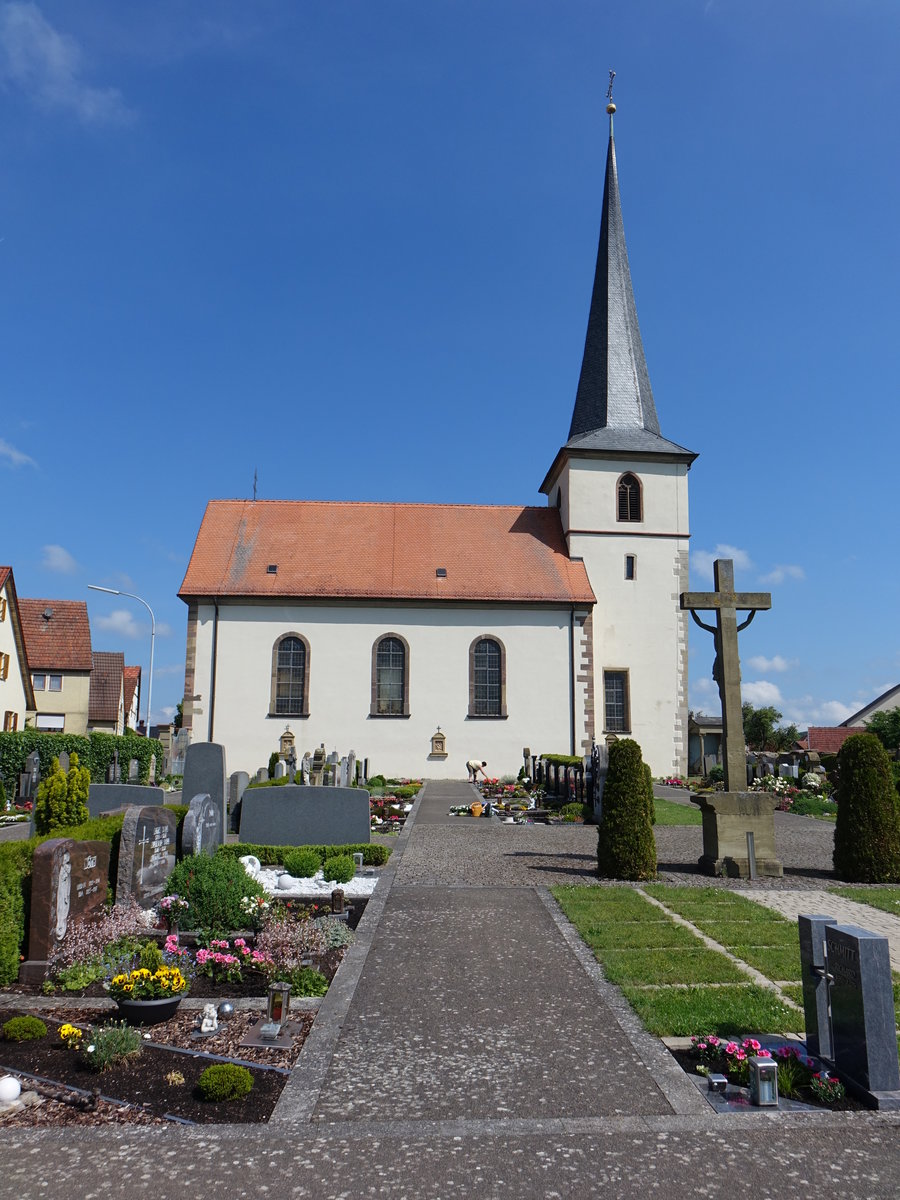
pixel 350 246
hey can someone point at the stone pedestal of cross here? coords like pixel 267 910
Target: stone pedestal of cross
pixel 738 826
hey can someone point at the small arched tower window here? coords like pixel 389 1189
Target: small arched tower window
pixel 628 498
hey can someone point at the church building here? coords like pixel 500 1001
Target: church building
pixel 423 635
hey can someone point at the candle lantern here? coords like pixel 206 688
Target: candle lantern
pixel 279 1002
pixel 764 1082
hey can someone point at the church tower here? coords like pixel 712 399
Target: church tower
pixel 622 493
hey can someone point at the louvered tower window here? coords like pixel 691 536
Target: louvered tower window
pixel 628 497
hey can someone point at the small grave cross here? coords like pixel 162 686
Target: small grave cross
pixel 725 602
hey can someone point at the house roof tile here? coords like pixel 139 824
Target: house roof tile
pixel 106 685
pixel 132 678
pixel 828 740
pixel 60 642
pixel 383 551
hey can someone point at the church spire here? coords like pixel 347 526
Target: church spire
pixel 614 408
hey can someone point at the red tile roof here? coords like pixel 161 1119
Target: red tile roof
pixel 131 679
pixel 61 642
pixel 383 551
pixel 827 740
pixel 106 685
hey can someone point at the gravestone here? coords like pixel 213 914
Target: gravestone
pixel 134 771
pixel 811 928
pixel 204 774
pixel 599 767
pixel 113 774
pixel 862 1015
pixel 113 797
pixel 30 777
pixel 68 880
pixel 237 785
pixel 202 830
pixel 729 817
pixel 345 772
pixel 151 775
pixel 281 769
pixel 317 770
pixel 303 816
pixel 305 767
pixel 351 767
pixel 146 854
pixel 262 774
pixel 63 761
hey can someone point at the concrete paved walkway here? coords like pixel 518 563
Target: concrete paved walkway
pixel 845 912
pixel 470 1046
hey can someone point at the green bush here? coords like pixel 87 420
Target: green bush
pixel 406 791
pixel 224 1081
pixel 273 759
pixel 716 774
pixel 374 855
pixel 867 830
pixel 62 798
pixel 306 981
pixel 625 845
pixel 572 811
pixel 339 869
pixel 213 888
pixel 151 958
pixel 302 864
pixel 95 752
pixel 563 760
pixel 110 1044
pixel 12 921
pixel 376 781
pixel 24 1029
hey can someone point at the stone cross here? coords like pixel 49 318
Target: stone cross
pixel 725 602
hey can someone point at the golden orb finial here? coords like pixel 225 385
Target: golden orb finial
pixel 610 108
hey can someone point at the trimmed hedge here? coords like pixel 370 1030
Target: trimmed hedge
pixel 867 830
pixel 95 752
pixel 625 845
pixel 562 760
pixel 373 854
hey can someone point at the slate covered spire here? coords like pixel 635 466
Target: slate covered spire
pixel 614 408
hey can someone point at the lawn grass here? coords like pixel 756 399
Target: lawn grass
pixel 775 962
pixel 749 933
pixel 885 898
pixel 619 903
pixel 669 812
pixel 652 967
pixel 726 1011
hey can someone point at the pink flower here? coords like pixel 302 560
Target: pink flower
pixel 740 1055
pixel 713 1041
pixel 731 1048
pixel 752 1043
pixel 764 1054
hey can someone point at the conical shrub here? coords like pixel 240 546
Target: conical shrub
pixel 867 831
pixel 625 845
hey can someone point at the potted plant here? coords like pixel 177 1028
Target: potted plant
pixel 150 993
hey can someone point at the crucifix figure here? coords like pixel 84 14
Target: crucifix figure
pixel 725 602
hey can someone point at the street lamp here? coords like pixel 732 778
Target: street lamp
pixel 131 596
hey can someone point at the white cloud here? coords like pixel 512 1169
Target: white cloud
pixel 13 457
pixel 807 711
pixel 57 558
pixel 761 694
pixel 163 629
pixel 168 712
pixel 122 622
pixel 171 669
pixel 47 65
pixel 782 572
pixel 759 662
pixel 702 560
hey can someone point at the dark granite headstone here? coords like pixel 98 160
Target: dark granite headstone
pixel 202 830
pixel 862 1015
pixel 303 816
pixel 113 797
pixel 68 880
pixel 204 774
pixel 812 929
pixel 146 853
pixel 237 785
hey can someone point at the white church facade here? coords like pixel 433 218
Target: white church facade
pixel 374 627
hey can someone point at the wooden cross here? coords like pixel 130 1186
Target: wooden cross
pixel 725 602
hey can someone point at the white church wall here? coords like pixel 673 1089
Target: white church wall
pixel 341 637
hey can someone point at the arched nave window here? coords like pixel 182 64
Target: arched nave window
pixel 290 677
pixel 390 677
pixel 487 678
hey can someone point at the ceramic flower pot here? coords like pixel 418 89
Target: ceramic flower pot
pixel 149 1012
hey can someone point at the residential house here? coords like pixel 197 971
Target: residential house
pixel 132 683
pixel 107 699
pixel 58 644
pixel 16 692
pixel 883 703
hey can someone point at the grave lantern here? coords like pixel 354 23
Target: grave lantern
pixel 278 1004
pixel 763 1082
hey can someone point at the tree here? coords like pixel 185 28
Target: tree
pixel 62 797
pixel 886 727
pixel 762 731
pixel 179 714
pixel 867 830
pixel 625 845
